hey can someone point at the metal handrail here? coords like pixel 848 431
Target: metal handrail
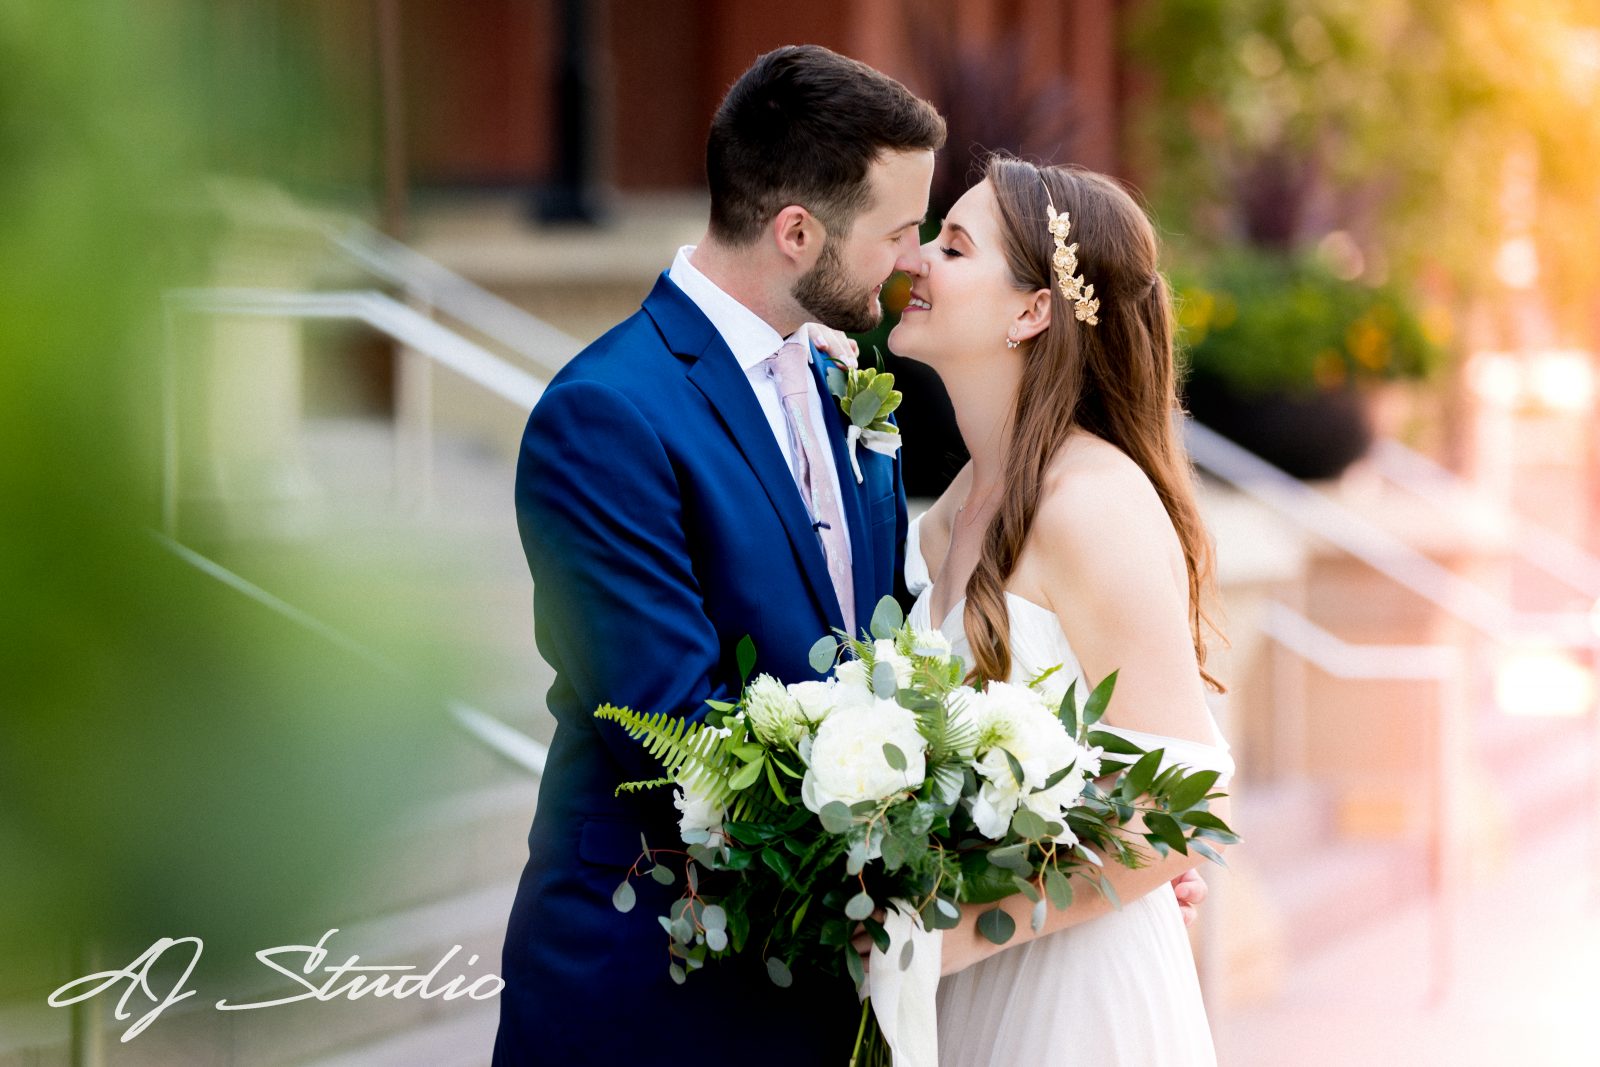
pixel 1536 545
pixel 1391 556
pixel 1445 667
pixel 437 286
pixel 382 313
pixel 423 336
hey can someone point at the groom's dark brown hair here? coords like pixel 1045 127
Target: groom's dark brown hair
pixel 802 126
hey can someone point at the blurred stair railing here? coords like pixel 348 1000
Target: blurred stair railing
pixel 437 288
pixel 421 335
pixel 1442 665
pixel 1460 673
pixel 1490 615
pixel 1532 543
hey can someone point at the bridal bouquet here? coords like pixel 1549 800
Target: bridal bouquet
pixel 894 785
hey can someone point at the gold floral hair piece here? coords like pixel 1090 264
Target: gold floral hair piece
pixel 1085 305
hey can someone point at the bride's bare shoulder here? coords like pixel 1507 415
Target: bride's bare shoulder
pixel 1096 504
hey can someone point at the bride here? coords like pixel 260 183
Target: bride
pixel 1071 537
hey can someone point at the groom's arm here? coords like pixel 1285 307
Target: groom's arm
pixel 620 609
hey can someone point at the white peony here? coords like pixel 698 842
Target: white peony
pixel 1015 719
pixel 847 763
pixel 774 713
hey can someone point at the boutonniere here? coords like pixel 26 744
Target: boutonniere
pixel 866 397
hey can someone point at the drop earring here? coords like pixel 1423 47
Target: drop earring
pixel 1011 342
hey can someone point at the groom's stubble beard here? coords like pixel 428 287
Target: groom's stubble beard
pixel 830 296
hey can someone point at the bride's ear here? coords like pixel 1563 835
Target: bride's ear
pixel 1034 318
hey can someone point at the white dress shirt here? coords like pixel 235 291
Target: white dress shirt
pixel 752 340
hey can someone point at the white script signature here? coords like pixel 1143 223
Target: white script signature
pixel 394 980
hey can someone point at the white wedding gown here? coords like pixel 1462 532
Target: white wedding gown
pixel 1117 991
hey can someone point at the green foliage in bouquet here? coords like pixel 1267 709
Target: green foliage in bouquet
pixel 790 873
pixel 1260 321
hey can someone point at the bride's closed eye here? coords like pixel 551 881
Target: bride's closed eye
pixel 949 253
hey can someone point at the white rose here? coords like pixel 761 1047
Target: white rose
pixel 847 762
pixel 884 651
pixel 698 813
pixel 775 715
pixel 930 643
pixel 853 683
pixel 816 699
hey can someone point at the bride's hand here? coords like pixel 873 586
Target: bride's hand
pixel 1190 889
pixel 834 343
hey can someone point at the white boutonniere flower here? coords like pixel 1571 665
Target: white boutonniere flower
pixel 866 397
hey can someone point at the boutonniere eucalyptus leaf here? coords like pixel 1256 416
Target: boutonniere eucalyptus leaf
pixel 867 397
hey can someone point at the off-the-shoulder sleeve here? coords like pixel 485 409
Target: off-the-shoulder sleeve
pixel 917 576
pixel 1181 751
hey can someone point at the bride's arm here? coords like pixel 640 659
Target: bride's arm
pixel 1104 554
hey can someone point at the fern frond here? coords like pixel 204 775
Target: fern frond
pixel 697 756
pixel 639 787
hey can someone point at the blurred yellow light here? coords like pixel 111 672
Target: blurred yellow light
pixel 1562 380
pixel 1543 682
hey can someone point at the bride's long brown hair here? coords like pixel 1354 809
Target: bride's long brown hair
pixel 1115 379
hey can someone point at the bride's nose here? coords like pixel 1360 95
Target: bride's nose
pixel 924 257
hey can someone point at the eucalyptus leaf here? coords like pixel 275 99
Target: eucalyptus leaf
pixel 1058 888
pixel 822 654
pixel 714 917
pixel 896 758
pixel 778 971
pixel 887 617
pixel 677 973
pixel 662 873
pixel 996 925
pixel 1028 823
pixel 860 906
pixel 836 817
pixel 883 681
pixel 623 899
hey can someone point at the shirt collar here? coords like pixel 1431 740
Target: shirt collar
pixel 750 337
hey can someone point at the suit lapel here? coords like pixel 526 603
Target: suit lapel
pixel 717 374
pixel 852 493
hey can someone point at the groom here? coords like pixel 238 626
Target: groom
pixel 682 483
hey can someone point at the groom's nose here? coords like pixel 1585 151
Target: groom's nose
pixel 909 259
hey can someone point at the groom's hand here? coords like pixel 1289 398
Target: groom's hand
pixel 1191 890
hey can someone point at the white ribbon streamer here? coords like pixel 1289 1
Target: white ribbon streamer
pixel 904 1000
pixel 880 441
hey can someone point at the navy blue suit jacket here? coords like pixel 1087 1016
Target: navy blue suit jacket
pixel 662 525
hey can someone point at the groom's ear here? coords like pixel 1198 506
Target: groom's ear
pixel 1033 319
pixel 798 234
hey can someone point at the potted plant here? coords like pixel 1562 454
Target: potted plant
pixel 1279 351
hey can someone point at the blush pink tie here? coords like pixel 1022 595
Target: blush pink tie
pixel 791 367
